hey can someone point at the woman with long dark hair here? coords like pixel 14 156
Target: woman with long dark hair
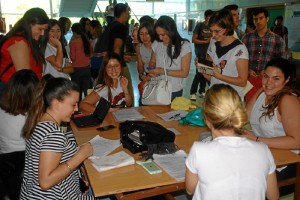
pixel 173 53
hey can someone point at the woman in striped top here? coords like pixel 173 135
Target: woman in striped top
pixel 51 156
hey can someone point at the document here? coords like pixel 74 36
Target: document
pixel 116 160
pixel 127 114
pixel 247 88
pixel 103 146
pixel 173 115
pixel 173 164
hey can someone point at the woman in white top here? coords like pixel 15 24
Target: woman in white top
pixel 229 55
pixel 230 167
pixel 111 85
pixel 172 53
pixel 14 105
pixel 274 112
pixel 57 60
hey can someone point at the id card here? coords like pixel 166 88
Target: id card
pixel 150 167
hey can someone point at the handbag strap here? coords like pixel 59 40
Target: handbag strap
pixel 164 60
pixel 6 69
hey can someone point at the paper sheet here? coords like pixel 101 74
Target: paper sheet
pixel 116 160
pixel 173 164
pixel 173 115
pixel 127 114
pixel 103 146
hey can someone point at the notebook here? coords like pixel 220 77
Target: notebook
pixel 96 118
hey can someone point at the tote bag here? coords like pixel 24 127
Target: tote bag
pixel 158 92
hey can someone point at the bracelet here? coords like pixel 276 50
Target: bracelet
pixel 257 139
pixel 167 72
pixel 68 167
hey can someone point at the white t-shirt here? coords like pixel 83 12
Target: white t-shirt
pixel 48 68
pixel 162 59
pixel 230 168
pixel 118 96
pixel 227 62
pixel 10 132
pixel 146 54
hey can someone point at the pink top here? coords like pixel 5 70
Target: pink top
pixel 79 59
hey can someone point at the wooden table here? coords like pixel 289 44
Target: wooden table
pixel 133 182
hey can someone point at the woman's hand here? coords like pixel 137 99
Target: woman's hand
pixel 124 82
pixel 86 150
pixel 156 72
pixel 249 135
pixel 216 70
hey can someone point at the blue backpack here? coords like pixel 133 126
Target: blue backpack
pixel 194 118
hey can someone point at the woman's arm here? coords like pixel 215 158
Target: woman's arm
pixel 241 79
pixel 56 60
pixel 272 188
pixel 191 181
pixel 52 172
pixel 124 85
pixel 19 53
pixel 183 72
pixel 88 104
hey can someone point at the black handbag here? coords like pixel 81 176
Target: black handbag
pixel 136 135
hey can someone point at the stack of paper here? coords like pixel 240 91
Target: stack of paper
pixel 116 160
pixel 103 146
pixel 127 114
pixel 173 164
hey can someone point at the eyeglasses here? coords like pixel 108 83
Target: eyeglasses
pixel 115 67
pixel 217 32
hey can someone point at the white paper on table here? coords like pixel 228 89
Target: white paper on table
pixel 127 114
pixel 116 160
pixel 173 164
pixel 103 146
pixel 173 115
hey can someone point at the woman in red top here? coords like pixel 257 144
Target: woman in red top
pixel 21 46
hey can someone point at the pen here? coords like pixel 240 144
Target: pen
pixel 174 116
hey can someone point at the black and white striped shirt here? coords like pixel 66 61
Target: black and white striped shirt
pixel 47 136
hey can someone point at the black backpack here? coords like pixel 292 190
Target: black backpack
pixel 136 135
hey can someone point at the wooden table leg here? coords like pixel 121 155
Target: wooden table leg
pixel 297 184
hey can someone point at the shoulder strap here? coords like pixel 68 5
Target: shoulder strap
pixel 6 69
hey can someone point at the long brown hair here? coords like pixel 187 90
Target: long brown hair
pixel 18 94
pixel 103 78
pixel 289 71
pixel 48 89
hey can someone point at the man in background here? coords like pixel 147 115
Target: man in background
pixel 263 45
pixel 281 30
pixel 114 37
pixel 201 39
pixel 234 10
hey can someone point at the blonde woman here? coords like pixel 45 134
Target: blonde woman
pixel 230 166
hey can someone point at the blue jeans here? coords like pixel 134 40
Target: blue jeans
pixel 176 94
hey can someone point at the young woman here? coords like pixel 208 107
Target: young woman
pixel 81 52
pixel 229 55
pixel 14 105
pixel 173 53
pixel 52 157
pixel 274 112
pixel 111 85
pixel 57 63
pixel 230 167
pixel 21 48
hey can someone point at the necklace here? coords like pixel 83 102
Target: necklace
pixel 52 118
